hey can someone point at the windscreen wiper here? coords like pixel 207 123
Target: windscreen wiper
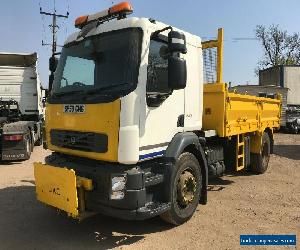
pixel 95 90
pixel 59 94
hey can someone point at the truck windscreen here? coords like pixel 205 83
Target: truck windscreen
pixel 100 68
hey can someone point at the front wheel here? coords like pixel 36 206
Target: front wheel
pixel 186 185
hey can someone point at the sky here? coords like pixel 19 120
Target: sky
pixel 22 28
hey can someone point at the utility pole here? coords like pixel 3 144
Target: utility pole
pixel 54 27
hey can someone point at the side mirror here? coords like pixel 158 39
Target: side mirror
pixel 176 42
pixel 51 79
pixel 176 73
pixel 53 63
pixel 44 100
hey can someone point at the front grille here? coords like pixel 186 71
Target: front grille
pixel 83 141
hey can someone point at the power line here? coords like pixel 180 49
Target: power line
pixel 54 28
pixel 240 39
pixel 233 39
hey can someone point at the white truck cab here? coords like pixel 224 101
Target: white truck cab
pixel 144 124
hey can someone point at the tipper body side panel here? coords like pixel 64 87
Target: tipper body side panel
pixel 232 114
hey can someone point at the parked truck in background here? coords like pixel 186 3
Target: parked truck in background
pixel 134 130
pixel 293 118
pixel 21 107
pixel 286 76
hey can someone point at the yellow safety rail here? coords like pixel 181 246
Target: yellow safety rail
pixel 219 45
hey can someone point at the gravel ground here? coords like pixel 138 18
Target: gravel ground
pixel 237 204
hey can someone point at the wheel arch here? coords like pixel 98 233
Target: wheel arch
pixel 190 142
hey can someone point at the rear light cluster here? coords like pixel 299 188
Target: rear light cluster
pixel 13 137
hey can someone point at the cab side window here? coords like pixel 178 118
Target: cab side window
pixel 157 72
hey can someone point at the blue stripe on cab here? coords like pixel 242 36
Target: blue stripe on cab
pixel 150 155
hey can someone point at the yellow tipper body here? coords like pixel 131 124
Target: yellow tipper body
pixel 232 114
pixel 98 118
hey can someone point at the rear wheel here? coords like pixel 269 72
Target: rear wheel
pixel 260 162
pixel 185 190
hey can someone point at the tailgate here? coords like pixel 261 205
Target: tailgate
pixel 57 187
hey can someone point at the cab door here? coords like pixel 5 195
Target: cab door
pixel 162 109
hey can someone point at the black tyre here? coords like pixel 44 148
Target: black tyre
pixel 186 185
pixel 28 146
pixel 260 162
pixel 39 142
pixel 32 140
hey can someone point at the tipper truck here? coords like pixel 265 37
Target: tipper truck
pixel 134 130
pixel 21 106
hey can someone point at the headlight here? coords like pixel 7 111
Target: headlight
pixel 118 187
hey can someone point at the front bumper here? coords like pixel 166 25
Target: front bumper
pixel 144 194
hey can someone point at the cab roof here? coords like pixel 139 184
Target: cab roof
pixel 117 24
pixel 18 59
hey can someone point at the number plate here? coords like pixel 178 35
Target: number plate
pixel 74 108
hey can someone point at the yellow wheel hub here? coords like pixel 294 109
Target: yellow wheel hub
pixel 186 188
